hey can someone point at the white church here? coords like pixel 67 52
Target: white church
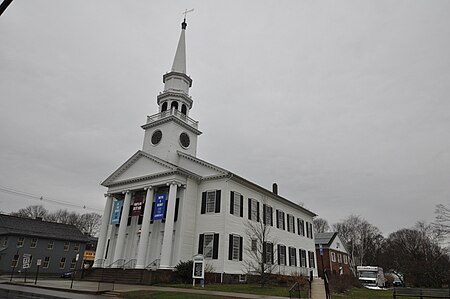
pixel 165 205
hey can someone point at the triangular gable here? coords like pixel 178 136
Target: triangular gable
pixel 199 167
pixel 139 165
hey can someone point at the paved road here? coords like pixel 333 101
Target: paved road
pixel 25 292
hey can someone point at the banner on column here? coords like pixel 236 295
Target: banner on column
pixel 117 208
pixel 137 205
pixel 160 206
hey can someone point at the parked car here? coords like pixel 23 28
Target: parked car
pixel 67 274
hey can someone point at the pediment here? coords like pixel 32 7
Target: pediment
pixel 198 166
pixel 139 165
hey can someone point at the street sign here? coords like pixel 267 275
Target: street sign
pixel 321 249
pixel 26 261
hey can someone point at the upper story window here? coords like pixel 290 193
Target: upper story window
pixel 5 242
pixel 309 230
pixel 76 247
pixel 15 261
pixel 333 257
pixel 164 107
pixel 66 246
pixel 208 245
pixel 280 220
pixel 267 215
pixel 236 204
pixel 290 223
pixel 339 258
pixel 20 241
pixel 183 109
pixel 300 227
pixel 210 202
pixel 33 243
pixel 50 244
pixel 253 209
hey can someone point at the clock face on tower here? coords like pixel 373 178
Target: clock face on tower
pixel 156 137
pixel 185 140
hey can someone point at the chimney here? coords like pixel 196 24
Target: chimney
pixel 275 188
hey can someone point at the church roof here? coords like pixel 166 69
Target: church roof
pixel 12 225
pixel 179 62
pixel 325 238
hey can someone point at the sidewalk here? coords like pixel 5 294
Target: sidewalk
pixel 90 287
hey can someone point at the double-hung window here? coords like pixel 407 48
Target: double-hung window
pixel 20 241
pixel 301 227
pixel 292 256
pixel 311 259
pixel 208 245
pixel 302 254
pixel 50 245
pixel 46 262
pixel 333 257
pixel 281 255
pixel 267 215
pixel 62 263
pixel 268 253
pixel 253 209
pixel 33 242
pixel 290 223
pixel 235 247
pixel 210 202
pixel 236 204
pixel 280 220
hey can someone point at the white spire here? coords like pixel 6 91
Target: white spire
pixel 179 63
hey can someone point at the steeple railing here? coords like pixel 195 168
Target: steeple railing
pixel 172 112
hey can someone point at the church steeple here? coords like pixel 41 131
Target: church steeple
pixel 172 130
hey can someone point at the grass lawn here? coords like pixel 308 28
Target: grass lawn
pixel 232 288
pixel 364 293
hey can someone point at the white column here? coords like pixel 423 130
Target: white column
pixel 166 252
pixel 100 252
pixel 120 244
pixel 145 230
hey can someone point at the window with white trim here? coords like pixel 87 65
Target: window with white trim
pixel 50 244
pixel 33 242
pixel 290 223
pixel 301 227
pixel 76 247
pixel 46 262
pixel 210 202
pixel 254 245
pixel 345 259
pixel 253 209
pixel 208 246
pixel 302 254
pixel 66 246
pixel 280 220
pixel 292 257
pixel 236 247
pixel 73 264
pixel 281 255
pixel 62 263
pixel 20 241
pixel 312 263
pixel 267 215
pixel 236 204
pixel 339 258
pixel 333 257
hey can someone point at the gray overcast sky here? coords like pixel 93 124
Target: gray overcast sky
pixel 345 104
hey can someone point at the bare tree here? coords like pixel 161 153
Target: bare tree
pixel 260 250
pixel 33 212
pixel 416 254
pixel 90 223
pixel 321 225
pixel 441 224
pixel 362 239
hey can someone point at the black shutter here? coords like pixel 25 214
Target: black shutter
pixel 264 257
pixel 264 214
pixel 241 241
pixel 271 216
pixel 295 256
pixel 217 201
pixel 177 203
pixel 200 243
pixel 216 247
pixel 284 222
pixel 288 226
pixel 278 220
pixel 257 211
pixel 153 209
pixel 298 226
pixel 230 247
pixel 293 224
pixel 242 206
pixel 278 253
pixel 249 209
pixel 271 252
pixel 203 210
pixel 231 202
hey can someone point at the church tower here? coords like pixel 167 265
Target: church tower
pixel 171 129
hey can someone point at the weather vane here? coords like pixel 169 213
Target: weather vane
pixel 186 12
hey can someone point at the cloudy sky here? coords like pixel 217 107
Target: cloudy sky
pixel 345 104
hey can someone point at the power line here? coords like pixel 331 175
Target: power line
pixel 46 199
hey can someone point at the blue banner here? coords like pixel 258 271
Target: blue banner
pixel 117 208
pixel 160 206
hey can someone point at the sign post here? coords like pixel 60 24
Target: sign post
pixel 198 270
pixel 38 264
pixel 75 270
pixel 16 259
pixel 26 261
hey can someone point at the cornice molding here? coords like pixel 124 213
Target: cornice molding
pixel 174 119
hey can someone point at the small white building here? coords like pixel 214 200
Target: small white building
pixel 164 205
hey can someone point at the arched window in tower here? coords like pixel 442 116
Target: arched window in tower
pixel 183 109
pixel 164 107
pixel 174 105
